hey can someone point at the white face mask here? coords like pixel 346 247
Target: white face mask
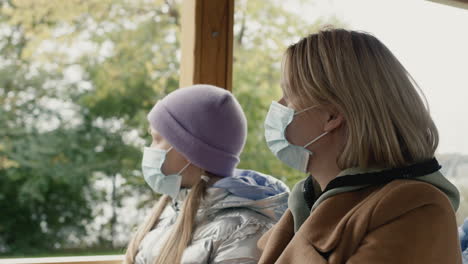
pixel 276 122
pixel 153 160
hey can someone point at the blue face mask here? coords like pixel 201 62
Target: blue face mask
pixel 153 160
pixel 276 122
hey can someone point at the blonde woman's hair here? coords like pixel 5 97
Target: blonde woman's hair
pixel 181 235
pixel 387 121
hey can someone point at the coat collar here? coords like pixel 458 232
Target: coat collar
pixel 324 227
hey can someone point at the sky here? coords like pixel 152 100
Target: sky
pixel 429 39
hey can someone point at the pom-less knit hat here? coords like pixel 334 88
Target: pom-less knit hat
pixel 204 123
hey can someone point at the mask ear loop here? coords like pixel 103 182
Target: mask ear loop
pixel 315 140
pixel 185 167
pixel 303 110
pixel 319 137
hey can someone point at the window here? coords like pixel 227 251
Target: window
pixel 78 77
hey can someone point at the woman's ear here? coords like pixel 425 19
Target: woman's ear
pixel 335 119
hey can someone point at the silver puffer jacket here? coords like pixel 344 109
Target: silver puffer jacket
pixel 228 223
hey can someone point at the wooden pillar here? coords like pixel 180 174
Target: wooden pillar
pixel 207 42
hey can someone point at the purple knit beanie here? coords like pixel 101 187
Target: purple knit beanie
pixel 204 123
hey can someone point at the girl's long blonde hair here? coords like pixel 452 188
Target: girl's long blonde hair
pixel 181 234
pixel 388 122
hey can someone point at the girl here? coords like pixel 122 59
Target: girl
pixel 351 116
pixel 209 213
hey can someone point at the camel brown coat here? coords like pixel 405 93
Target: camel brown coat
pixel 401 222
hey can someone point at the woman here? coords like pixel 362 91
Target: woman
pixel 209 213
pixel 351 116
